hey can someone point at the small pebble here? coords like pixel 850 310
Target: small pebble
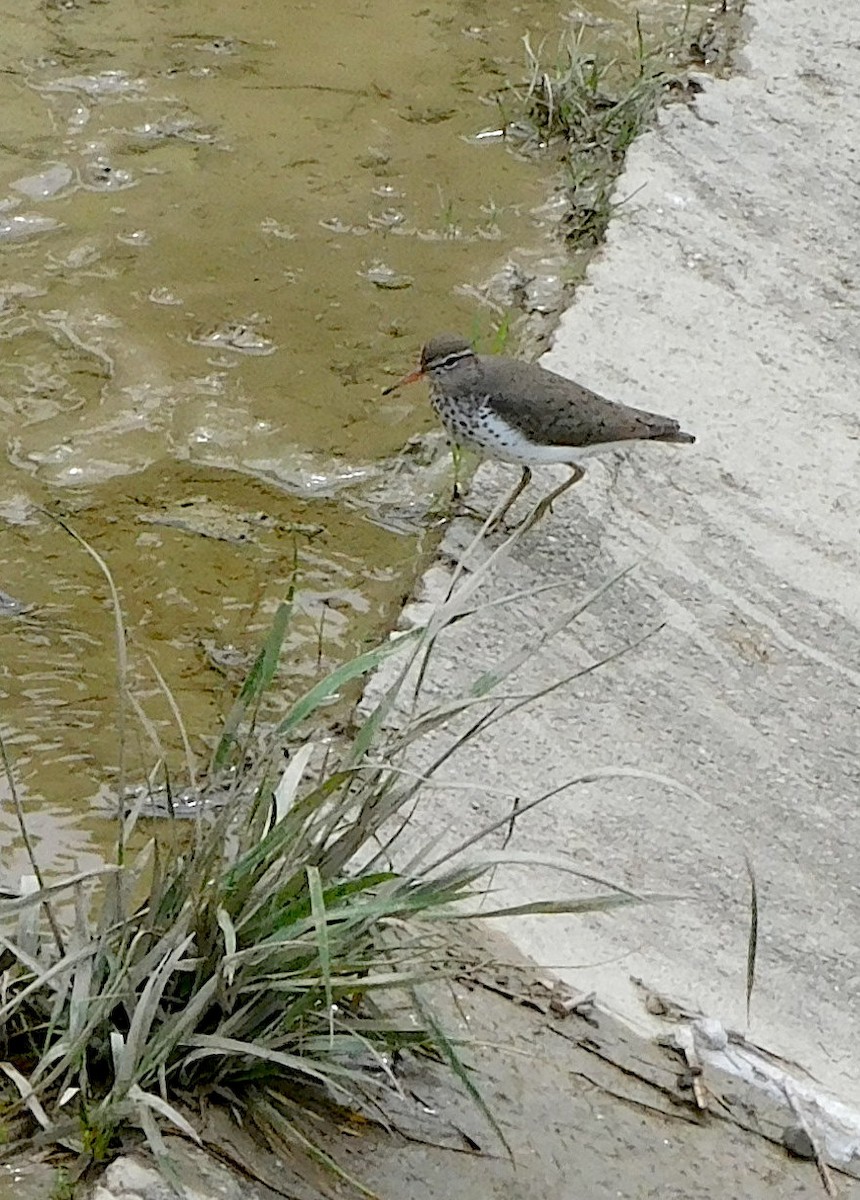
pixel 798 1142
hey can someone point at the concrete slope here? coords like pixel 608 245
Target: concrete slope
pixel 728 295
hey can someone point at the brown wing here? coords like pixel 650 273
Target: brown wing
pixel 558 412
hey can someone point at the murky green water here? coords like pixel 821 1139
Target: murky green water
pixel 222 229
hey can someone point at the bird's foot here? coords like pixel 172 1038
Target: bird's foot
pixel 460 506
pixel 500 522
pixel 496 524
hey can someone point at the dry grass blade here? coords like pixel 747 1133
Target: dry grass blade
pixel 288 785
pixel 82 976
pixel 190 758
pixel 503 712
pixel 148 727
pixel 25 837
pixel 491 679
pixel 230 943
pixel 10 905
pixel 458 603
pixel 28 1096
pixel 321 925
pixel 121 645
pixel 586 777
pixel 513 858
pixel 28 920
pixel 44 979
pixel 163 1045
pixel 752 943
pixel 137 1096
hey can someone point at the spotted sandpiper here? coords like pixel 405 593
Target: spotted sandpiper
pixel 519 412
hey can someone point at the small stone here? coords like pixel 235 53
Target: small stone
pixel 128 1179
pixel 798 1142
pixel 47 183
pixel 710 1034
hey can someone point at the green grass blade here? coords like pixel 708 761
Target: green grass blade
pixel 457 1065
pixel 146 1013
pixel 491 679
pixel 258 680
pixel 329 687
pixel 269 1115
pixel 161 1045
pixel 546 907
pixel 331 1075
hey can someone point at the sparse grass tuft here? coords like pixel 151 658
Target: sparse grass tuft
pixel 267 951
pixel 590 108
pixel 62 1188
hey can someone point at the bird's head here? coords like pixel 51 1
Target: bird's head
pixel 442 355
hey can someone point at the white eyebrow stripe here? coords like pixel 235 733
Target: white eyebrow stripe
pixel 449 359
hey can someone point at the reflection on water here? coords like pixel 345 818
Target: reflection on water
pixel 223 228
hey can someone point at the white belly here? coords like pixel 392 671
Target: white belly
pixel 482 430
pixel 507 445
pixel 495 439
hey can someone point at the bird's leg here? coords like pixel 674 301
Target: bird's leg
pixel 546 504
pixel 498 518
pixel 457 459
pixel 458 502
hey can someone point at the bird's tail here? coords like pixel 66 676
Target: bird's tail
pixel 678 436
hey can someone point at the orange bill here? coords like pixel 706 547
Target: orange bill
pixel 413 377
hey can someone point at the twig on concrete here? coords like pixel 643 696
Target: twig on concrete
pixel 821 1164
pixel 515 808
pixel 752 945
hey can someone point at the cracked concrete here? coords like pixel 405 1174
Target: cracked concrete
pixel 728 295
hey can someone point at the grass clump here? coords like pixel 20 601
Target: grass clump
pixel 590 107
pixel 267 951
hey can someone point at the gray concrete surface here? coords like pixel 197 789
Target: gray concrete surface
pixel 728 295
pixel 577 1098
